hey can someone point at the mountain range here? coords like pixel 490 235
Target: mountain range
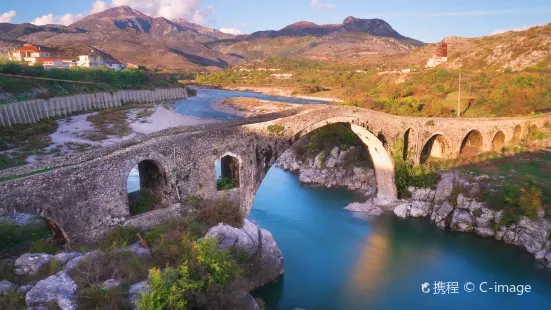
pixel 156 42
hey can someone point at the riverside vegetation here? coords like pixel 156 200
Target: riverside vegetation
pixel 422 92
pixel 186 271
pixel 98 80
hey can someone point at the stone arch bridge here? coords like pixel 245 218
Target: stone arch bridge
pixel 84 195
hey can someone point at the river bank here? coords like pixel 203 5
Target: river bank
pixel 279 92
pixel 249 107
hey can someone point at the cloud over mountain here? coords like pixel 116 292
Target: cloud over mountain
pixel 6 17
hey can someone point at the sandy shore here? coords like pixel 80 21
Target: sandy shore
pixel 77 134
pixel 280 92
pixel 248 107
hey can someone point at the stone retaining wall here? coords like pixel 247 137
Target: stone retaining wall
pixel 32 111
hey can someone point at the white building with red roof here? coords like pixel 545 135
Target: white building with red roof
pixel 32 54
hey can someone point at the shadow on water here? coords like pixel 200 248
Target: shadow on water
pixel 336 260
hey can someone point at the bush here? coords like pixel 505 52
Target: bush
pixel 407 174
pixel 527 200
pixel 119 237
pixel 225 183
pixel 276 130
pixel 102 266
pixel 213 212
pixel 12 301
pixel 142 202
pixel 203 282
pixel 96 298
pixel 12 235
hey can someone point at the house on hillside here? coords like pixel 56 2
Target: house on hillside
pixel 52 63
pixel 91 60
pixel 440 57
pixel 33 54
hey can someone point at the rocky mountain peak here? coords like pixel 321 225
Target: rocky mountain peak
pixel 349 19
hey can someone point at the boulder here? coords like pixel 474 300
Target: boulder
pixel 420 209
pixel 138 250
pixel 31 263
pixel 444 187
pixel 258 243
pixel 368 208
pixel 136 291
pixel 421 194
pixel 485 232
pixel 110 284
pixel 401 211
pixel 461 221
pixel 24 289
pixel 63 258
pixel 6 287
pixel 247 302
pixel 441 213
pixel 73 263
pixel 540 255
pixel 58 288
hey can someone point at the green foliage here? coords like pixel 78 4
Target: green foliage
pixel 12 301
pixel 213 212
pixel 102 266
pixel 276 130
pixel 407 174
pixel 119 237
pixel 12 235
pixel 225 183
pixel 523 200
pixel 142 202
pixel 96 298
pixel 187 286
pixel 44 246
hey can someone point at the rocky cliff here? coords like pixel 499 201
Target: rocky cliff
pixel 330 170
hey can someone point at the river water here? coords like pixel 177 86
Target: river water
pixel 335 259
pixel 199 106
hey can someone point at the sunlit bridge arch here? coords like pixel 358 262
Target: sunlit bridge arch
pixel 436 146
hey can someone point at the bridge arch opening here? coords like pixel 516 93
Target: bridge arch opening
pixel 20 228
pixel 498 142
pixel 471 144
pixel 409 144
pixel 436 147
pixel 146 187
pixel 379 157
pixel 227 172
pixel 517 134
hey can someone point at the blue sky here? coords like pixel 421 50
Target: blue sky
pixel 426 20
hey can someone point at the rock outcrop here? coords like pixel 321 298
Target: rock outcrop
pixel 330 170
pixel 260 246
pixel 29 264
pixel 59 288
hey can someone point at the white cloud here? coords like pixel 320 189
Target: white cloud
pixel 99 6
pixel 319 5
pixel 521 28
pixel 231 31
pixel 6 17
pixel 190 10
pixel 66 19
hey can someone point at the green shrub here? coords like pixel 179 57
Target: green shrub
pixel 527 199
pixel 96 298
pixel 225 183
pixel 12 301
pixel 119 238
pixel 11 234
pixel 202 282
pixel 407 174
pixel 142 202
pixel 276 130
pixel 48 246
pixel 121 265
pixel 213 212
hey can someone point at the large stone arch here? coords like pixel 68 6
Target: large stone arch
pixel 436 146
pixel 383 164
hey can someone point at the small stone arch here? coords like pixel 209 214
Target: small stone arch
pixel 410 145
pixel 517 134
pixel 228 171
pixel 498 141
pixel 436 146
pixel 472 144
pixel 153 185
pixel 532 129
